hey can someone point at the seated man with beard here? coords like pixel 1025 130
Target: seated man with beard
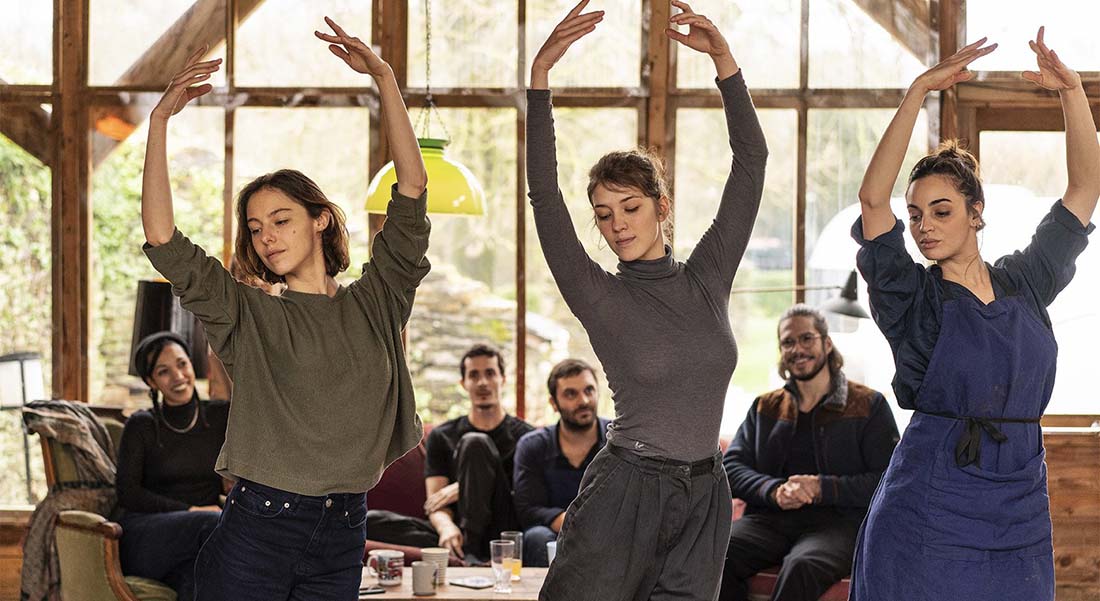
pixel 551 461
pixel 806 461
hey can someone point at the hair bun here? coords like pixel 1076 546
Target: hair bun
pixel 953 150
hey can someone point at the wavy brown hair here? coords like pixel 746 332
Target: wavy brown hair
pixel 304 191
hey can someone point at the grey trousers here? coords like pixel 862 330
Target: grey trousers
pixel 643 528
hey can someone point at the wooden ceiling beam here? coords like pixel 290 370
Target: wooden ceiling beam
pixel 28 126
pixel 202 24
pixel 908 21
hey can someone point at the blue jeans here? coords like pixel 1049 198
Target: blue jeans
pixel 273 545
pixel 534 546
pixel 163 546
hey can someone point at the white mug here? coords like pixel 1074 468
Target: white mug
pixel 423 574
pixel 386 565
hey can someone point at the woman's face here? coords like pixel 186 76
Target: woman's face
pixel 939 220
pixel 630 221
pixel 284 236
pixel 173 375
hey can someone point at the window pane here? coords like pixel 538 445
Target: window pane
pixel 276 45
pixel 609 56
pixel 328 145
pixel 548 318
pixel 473 43
pixel 25 301
pixel 702 167
pixel 121 32
pixel 1023 174
pixel 764 38
pixel 26 42
pixel 840 145
pixel 470 294
pixel 849 49
pixel 1012 23
pixel 196 168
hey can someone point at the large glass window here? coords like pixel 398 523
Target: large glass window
pixel 470 294
pixel 196 168
pixel 25 295
pixel 762 35
pixel 702 166
pixel 1070 30
pixel 473 43
pixel 849 49
pixel 609 56
pixel 549 320
pixel 26 40
pixel 269 53
pixel 123 35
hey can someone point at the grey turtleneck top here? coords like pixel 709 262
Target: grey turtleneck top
pixel 661 327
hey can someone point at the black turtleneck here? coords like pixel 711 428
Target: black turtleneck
pixel 177 472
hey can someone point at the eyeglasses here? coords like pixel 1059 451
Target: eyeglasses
pixel 805 341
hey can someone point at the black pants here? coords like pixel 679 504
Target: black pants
pixel 163 546
pixel 813 544
pixel 483 511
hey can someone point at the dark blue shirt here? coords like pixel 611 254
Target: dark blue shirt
pixel 907 298
pixel 545 483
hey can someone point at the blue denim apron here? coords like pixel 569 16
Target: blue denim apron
pixel 962 512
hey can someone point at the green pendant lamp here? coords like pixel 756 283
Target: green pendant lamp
pixel 452 188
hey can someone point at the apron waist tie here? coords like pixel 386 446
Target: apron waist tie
pixel 968 449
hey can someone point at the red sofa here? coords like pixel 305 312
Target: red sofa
pixel 401 490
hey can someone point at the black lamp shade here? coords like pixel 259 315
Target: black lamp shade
pixel 157 310
pixel 847 303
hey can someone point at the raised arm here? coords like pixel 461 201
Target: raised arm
pixel 882 172
pixel 412 178
pixel 580 280
pixel 1082 148
pixel 718 253
pixel 156 193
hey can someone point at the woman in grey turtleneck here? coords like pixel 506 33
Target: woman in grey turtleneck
pixel 653 515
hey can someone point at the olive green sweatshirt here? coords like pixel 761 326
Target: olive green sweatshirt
pixel 322 397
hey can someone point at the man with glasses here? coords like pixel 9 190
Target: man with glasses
pixel 805 461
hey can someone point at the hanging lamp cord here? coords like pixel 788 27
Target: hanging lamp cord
pixel 429 110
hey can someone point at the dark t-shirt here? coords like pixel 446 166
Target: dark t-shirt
pixel 444 438
pixel 801 460
pixel 178 472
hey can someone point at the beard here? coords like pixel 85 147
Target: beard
pixel 816 369
pixel 574 425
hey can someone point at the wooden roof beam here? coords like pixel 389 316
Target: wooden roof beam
pixel 908 21
pixel 28 126
pixel 202 24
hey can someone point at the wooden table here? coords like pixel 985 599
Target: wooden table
pixel 527 589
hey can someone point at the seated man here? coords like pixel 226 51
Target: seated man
pixel 551 461
pixel 806 461
pixel 468 468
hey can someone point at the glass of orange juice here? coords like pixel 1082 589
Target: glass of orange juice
pixel 517 561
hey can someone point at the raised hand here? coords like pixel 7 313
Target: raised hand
pixel 953 69
pixel 183 89
pixel 1052 73
pixel 702 35
pixel 573 27
pixel 353 51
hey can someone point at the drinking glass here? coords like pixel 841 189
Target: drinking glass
pixel 517 559
pixel 501 553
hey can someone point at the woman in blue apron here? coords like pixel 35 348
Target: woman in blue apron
pixel 962 512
